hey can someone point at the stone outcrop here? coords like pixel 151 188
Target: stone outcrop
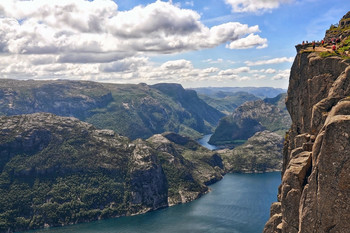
pixel 188 166
pixel 339 30
pixel 315 191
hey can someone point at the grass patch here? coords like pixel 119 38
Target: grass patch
pixel 328 54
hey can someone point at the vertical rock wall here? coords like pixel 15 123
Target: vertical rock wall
pixel 314 195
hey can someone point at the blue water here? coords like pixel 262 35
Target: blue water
pixel 239 203
pixel 204 142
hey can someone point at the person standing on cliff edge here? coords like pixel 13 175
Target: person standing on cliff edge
pixel 313 45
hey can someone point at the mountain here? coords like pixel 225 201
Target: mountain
pixel 57 170
pixel 252 117
pixel 260 153
pixel 314 193
pixel 66 98
pixel 188 166
pixel 190 101
pixel 227 102
pixel 135 111
pixel 260 92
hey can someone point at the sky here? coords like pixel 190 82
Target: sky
pixel 195 43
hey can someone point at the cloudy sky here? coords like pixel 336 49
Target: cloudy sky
pixel 193 42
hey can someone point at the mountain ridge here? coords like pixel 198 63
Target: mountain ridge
pixel 135 111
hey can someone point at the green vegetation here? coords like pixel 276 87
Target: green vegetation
pixel 252 117
pixel 260 153
pixel 345 45
pixel 56 171
pixel 327 54
pixel 58 175
pixel 135 111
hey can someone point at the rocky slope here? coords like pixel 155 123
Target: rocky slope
pixel 315 191
pixel 261 153
pixel 188 166
pixel 59 170
pixel 249 118
pixel 135 111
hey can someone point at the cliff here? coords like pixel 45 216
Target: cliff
pixel 315 190
pixel 57 170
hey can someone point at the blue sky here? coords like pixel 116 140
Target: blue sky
pixel 195 43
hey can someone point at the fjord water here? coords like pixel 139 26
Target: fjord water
pixel 204 142
pixel 239 203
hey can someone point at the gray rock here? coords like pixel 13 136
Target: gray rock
pixel 314 193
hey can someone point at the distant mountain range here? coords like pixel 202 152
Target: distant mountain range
pixel 261 92
pixel 227 102
pixel 135 111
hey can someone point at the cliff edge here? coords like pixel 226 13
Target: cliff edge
pixel 315 190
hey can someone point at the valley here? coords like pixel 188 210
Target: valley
pixel 76 164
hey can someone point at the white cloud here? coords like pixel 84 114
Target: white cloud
pixel 211 61
pixel 248 42
pixel 254 5
pixel 210 70
pixel 82 26
pixel 282 74
pixel 270 71
pixel 270 61
pixel 177 65
pixel 259 76
pixel 92 40
pixel 235 71
pixel 127 64
pixel 85 38
pixel 244 78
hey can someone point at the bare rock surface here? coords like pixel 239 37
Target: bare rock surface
pixel 315 189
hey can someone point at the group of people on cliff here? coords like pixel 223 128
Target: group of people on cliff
pixel 333 42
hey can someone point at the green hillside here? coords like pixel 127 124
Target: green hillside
pixel 56 171
pixel 252 117
pixel 135 111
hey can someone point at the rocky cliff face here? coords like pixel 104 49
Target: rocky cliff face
pixel 59 170
pixel 188 166
pixel 315 191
